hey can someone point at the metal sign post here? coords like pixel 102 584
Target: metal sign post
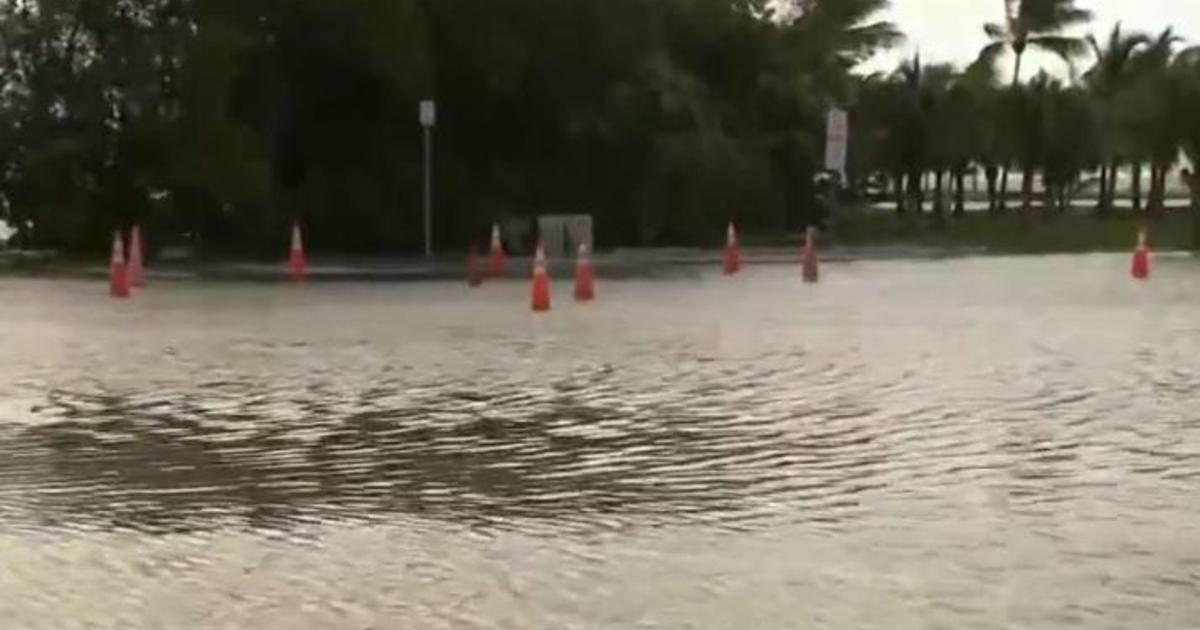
pixel 428 117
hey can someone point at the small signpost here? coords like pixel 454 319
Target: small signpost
pixel 837 138
pixel 837 141
pixel 428 118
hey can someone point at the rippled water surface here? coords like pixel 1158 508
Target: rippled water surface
pixel 985 443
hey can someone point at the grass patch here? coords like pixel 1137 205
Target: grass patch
pixel 1015 232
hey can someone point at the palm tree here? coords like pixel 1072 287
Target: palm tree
pixel 985 140
pixel 1071 145
pixel 1105 80
pixel 964 132
pixel 1185 72
pixel 943 136
pixel 880 138
pixel 912 138
pixel 1033 24
pixel 829 39
pixel 1029 110
pixel 1147 104
pixel 926 119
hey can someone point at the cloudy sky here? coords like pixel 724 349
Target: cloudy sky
pixel 952 30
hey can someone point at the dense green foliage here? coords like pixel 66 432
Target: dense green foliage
pixel 228 119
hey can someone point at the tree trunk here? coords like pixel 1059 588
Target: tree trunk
pixel 1192 180
pixel 1154 204
pixel 1150 191
pixel 1104 205
pixel 1196 213
pixel 1160 195
pixel 939 197
pixel 898 191
pixel 1135 185
pixel 1162 187
pixel 916 197
pixel 1016 81
pixel 1049 197
pixel 1026 189
pixel 960 193
pixel 1002 201
pixel 1114 171
pixel 990 172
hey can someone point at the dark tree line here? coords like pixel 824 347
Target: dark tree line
pixel 228 119
pixel 1131 108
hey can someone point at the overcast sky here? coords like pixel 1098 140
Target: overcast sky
pixel 952 30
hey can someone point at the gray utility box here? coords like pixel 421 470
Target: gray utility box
pixel 562 234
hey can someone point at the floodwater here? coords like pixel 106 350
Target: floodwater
pixel 976 443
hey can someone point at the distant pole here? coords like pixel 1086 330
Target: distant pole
pixel 428 116
pixel 834 207
pixel 428 192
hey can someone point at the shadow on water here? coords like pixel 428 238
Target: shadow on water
pixel 572 451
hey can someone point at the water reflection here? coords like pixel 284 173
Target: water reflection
pixel 587 445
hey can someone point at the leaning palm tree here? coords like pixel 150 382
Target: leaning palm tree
pixel 1106 80
pixel 829 39
pixel 1033 24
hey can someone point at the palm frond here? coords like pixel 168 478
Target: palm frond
pixel 995 31
pixel 1068 16
pixel 1111 68
pixel 1067 48
pixel 992 53
pixel 874 36
pixel 1189 57
pixel 1045 17
pixel 1130 44
pixel 1097 51
pixel 982 72
pixel 1158 54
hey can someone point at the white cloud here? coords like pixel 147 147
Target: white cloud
pixel 952 30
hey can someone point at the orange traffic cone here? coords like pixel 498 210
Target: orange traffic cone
pixel 496 262
pixel 733 252
pixel 585 283
pixel 474 276
pixel 296 259
pixel 135 271
pixel 1141 256
pixel 812 263
pixel 541 282
pixel 118 279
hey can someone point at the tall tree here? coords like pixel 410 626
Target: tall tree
pixel 1071 146
pixel 1147 105
pixel 1107 79
pixel 228 119
pixel 1185 71
pixel 1038 25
